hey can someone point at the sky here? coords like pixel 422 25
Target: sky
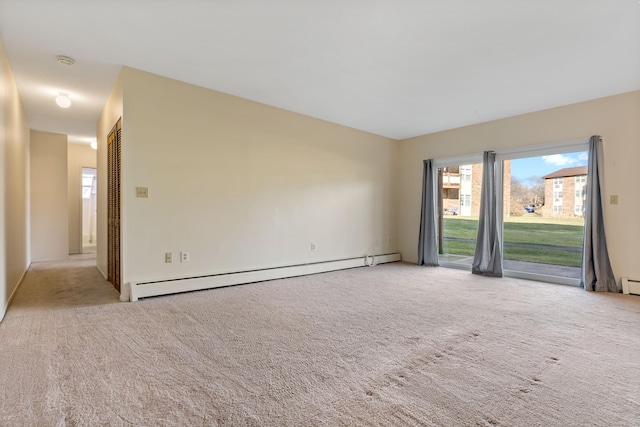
pixel 522 169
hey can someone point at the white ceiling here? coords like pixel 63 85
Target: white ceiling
pixel 391 67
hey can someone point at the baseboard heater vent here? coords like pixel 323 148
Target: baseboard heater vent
pixel 135 290
pixel 630 286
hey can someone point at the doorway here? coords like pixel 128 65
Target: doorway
pixel 89 177
pixel 458 208
pixel 540 197
pixel 543 227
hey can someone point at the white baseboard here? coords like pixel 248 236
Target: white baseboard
pixel 6 306
pixel 631 286
pixel 134 290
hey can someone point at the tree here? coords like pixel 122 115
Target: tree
pixel 527 193
pixel 536 187
pixel 519 191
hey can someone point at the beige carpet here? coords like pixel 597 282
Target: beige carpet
pixel 390 345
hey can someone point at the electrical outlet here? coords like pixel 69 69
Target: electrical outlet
pixel 184 256
pixel 313 246
pixel 168 257
pixel 142 192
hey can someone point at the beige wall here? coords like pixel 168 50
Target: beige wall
pixel 14 185
pixel 112 111
pixel 49 203
pixel 78 157
pixel 615 118
pixel 242 185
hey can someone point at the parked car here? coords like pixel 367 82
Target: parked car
pixel 529 209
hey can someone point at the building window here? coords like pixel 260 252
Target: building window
pixel 581 179
pixel 465 200
pixel 557 182
pixel 578 193
pixel 557 194
pixel 577 210
pixel 450 193
pixel 465 173
pixel 557 209
pixel 88 186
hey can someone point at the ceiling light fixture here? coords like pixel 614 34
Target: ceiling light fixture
pixel 94 144
pixel 63 100
pixel 65 60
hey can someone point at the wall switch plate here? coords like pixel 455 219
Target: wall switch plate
pixel 313 246
pixel 613 199
pixel 184 256
pixel 168 257
pixel 142 192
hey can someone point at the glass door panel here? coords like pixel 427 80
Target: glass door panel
pixel 543 219
pixel 459 206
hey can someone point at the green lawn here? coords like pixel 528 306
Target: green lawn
pixel 549 232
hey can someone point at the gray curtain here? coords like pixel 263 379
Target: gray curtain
pixel 488 256
pixel 597 274
pixel 428 241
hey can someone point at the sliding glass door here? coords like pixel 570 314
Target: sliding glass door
pixel 458 208
pixel 541 203
pixel 543 213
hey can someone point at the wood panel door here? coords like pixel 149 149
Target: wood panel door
pixel 114 156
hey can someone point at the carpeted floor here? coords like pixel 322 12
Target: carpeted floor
pixel 390 345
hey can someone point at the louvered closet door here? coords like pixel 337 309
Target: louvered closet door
pixel 114 155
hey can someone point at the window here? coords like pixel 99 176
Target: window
pixel 465 172
pixel 88 186
pixel 557 182
pixel 578 210
pixel 457 224
pixel 581 179
pixel 578 193
pixel 450 193
pixel 535 237
pixel 536 233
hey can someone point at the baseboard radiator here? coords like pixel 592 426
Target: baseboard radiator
pixel 631 286
pixel 136 290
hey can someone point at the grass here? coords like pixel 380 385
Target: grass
pixel 554 234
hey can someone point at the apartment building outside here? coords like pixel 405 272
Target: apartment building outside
pixel 565 193
pixel 462 186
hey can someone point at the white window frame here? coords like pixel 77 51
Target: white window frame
pixel 510 154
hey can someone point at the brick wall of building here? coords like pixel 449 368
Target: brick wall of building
pixel 476 189
pixel 547 209
pixel 451 197
pixel 506 200
pixel 568 196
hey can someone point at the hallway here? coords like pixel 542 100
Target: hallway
pixel 72 283
pixel 52 321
